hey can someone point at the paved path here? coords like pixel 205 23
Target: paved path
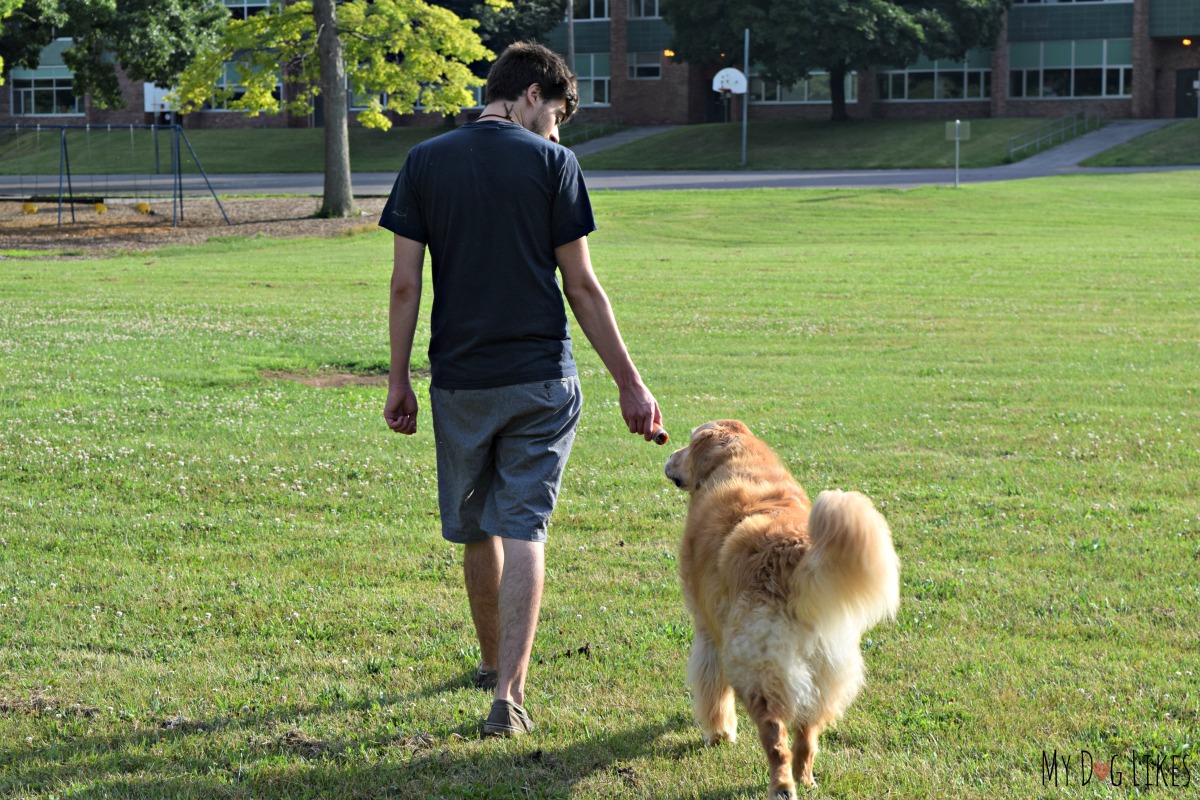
pixel 619 138
pixel 1060 160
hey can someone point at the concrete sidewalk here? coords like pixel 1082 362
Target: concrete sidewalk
pixel 619 138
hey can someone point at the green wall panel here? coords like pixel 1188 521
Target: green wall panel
pixel 590 37
pixel 646 35
pixel 1174 17
pixel 1070 21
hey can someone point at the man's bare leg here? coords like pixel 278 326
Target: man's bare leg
pixel 483 564
pixel 524 572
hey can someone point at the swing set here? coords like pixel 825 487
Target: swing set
pixel 113 164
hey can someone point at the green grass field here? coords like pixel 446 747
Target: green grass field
pixel 217 582
pixel 858 144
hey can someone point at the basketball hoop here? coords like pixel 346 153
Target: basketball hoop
pixel 729 81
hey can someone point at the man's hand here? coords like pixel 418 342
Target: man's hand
pixel 400 410
pixel 640 411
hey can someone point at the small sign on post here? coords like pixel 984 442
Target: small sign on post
pixel 957 131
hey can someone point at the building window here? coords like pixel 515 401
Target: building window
pixel 230 88
pixel 592 72
pixel 47 90
pixel 1083 68
pixel 931 81
pixel 643 9
pixel 590 9
pixel 645 66
pixel 43 95
pixel 813 89
pixel 241 9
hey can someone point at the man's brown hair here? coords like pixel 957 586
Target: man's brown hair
pixel 525 63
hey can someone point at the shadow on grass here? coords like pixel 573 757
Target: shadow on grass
pixel 267 756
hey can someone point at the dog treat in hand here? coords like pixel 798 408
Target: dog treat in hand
pixel 660 437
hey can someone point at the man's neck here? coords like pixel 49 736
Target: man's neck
pixel 502 110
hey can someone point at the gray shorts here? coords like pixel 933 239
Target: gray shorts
pixel 500 457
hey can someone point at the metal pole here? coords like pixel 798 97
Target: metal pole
pixel 62 154
pixel 957 134
pixel 746 96
pixel 176 181
pixel 204 174
pixel 571 34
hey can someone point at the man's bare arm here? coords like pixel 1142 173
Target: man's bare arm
pixel 408 260
pixel 592 309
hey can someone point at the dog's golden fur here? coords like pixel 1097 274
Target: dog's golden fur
pixel 780 593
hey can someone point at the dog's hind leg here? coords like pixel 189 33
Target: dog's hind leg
pixel 805 751
pixel 712 698
pixel 774 737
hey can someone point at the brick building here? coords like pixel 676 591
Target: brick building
pixel 1122 58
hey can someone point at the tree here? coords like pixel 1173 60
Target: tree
pixel 150 40
pixel 7 7
pixel 393 55
pixel 522 20
pixel 791 38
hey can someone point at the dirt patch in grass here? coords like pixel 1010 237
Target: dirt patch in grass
pixel 333 379
pixel 122 228
pixel 325 380
pixel 38 703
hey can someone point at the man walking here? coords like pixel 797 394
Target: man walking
pixel 501 207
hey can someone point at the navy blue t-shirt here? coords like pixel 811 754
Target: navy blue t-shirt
pixel 492 200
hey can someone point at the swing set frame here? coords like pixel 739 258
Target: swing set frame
pixel 66 197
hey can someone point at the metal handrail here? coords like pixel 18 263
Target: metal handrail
pixel 1054 132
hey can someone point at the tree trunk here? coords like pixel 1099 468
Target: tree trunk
pixel 338 200
pixel 837 94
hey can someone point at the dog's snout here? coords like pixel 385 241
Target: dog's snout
pixel 671 471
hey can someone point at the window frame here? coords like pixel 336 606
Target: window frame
pixel 960 73
pixel 592 10
pixel 759 87
pixel 587 74
pixel 1109 72
pixel 20 95
pixel 243 9
pixel 637 65
pixel 228 82
pixel 641 8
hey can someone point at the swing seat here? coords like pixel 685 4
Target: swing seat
pixel 29 207
pixel 143 207
pixel 100 208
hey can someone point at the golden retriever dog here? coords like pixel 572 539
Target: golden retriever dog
pixel 780 592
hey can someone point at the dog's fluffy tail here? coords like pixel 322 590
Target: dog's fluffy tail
pixel 851 573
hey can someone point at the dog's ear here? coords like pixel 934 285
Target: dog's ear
pixel 734 427
pixel 710 447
